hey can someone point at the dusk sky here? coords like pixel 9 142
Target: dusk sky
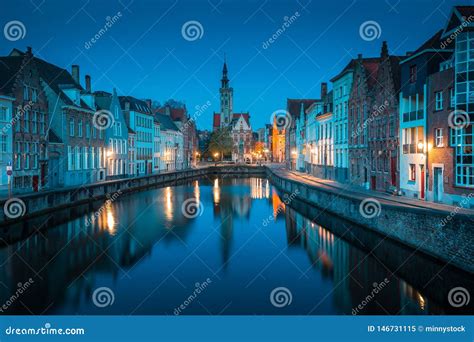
pixel 144 54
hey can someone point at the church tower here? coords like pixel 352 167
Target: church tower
pixel 227 98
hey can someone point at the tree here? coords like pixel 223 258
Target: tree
pixel 221 143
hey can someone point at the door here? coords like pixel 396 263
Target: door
pixel 373 182
pixel 393 170
pixel 437 183
pixel 422 182
pixel 35 183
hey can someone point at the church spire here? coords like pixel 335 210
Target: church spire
pixel 225 80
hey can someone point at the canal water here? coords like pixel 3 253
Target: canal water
pixel 214 246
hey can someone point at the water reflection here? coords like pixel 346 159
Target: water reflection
pixel 150 255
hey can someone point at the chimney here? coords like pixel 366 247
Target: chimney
pixel 148 103
pixel 75 73
pixel 359 56
pixel 88 83
pixel 29 52
pixel 324 90
pixel 127 106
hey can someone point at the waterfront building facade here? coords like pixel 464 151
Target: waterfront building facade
pixel 171 144
pixel 139 118
pixel 360 101
pixel 116 136
pixel 413 103
pixel 342 87
pixel 6 137
pixel 25 135
pixel 383 124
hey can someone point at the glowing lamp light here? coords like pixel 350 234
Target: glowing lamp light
pixel 421 145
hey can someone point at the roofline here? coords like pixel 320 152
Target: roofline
pixel 454 10
pixel 6 97
pixel 423 52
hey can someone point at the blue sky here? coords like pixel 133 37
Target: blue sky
pixel 145 55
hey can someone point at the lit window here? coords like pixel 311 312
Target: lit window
pixel 412 172
pixel 439 137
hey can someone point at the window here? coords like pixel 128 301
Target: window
pixel 34 95
pixel 439 100
pixel 34 123
pixel 439 137
pixel 27 121
pixel 452 97
pixel 88 130
pixel 26 94
pixel 79 129
pixel 3 144
pixel 413 74
pixel 71 127
pixel 412 172
pixel 3 113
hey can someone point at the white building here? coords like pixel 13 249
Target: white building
pixel 171 144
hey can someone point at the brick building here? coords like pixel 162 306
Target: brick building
pixel 362 98
pixel 20 78
pixel 383 124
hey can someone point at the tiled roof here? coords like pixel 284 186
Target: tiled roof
pixel 136 105
pixel 348 67
pixel 465 11
pixel 293 106
pixel 246 116
pixel 166 122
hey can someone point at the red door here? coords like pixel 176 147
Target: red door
pixel 422 183
pixel 393 170
pixel 373 183
pixel 35 183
